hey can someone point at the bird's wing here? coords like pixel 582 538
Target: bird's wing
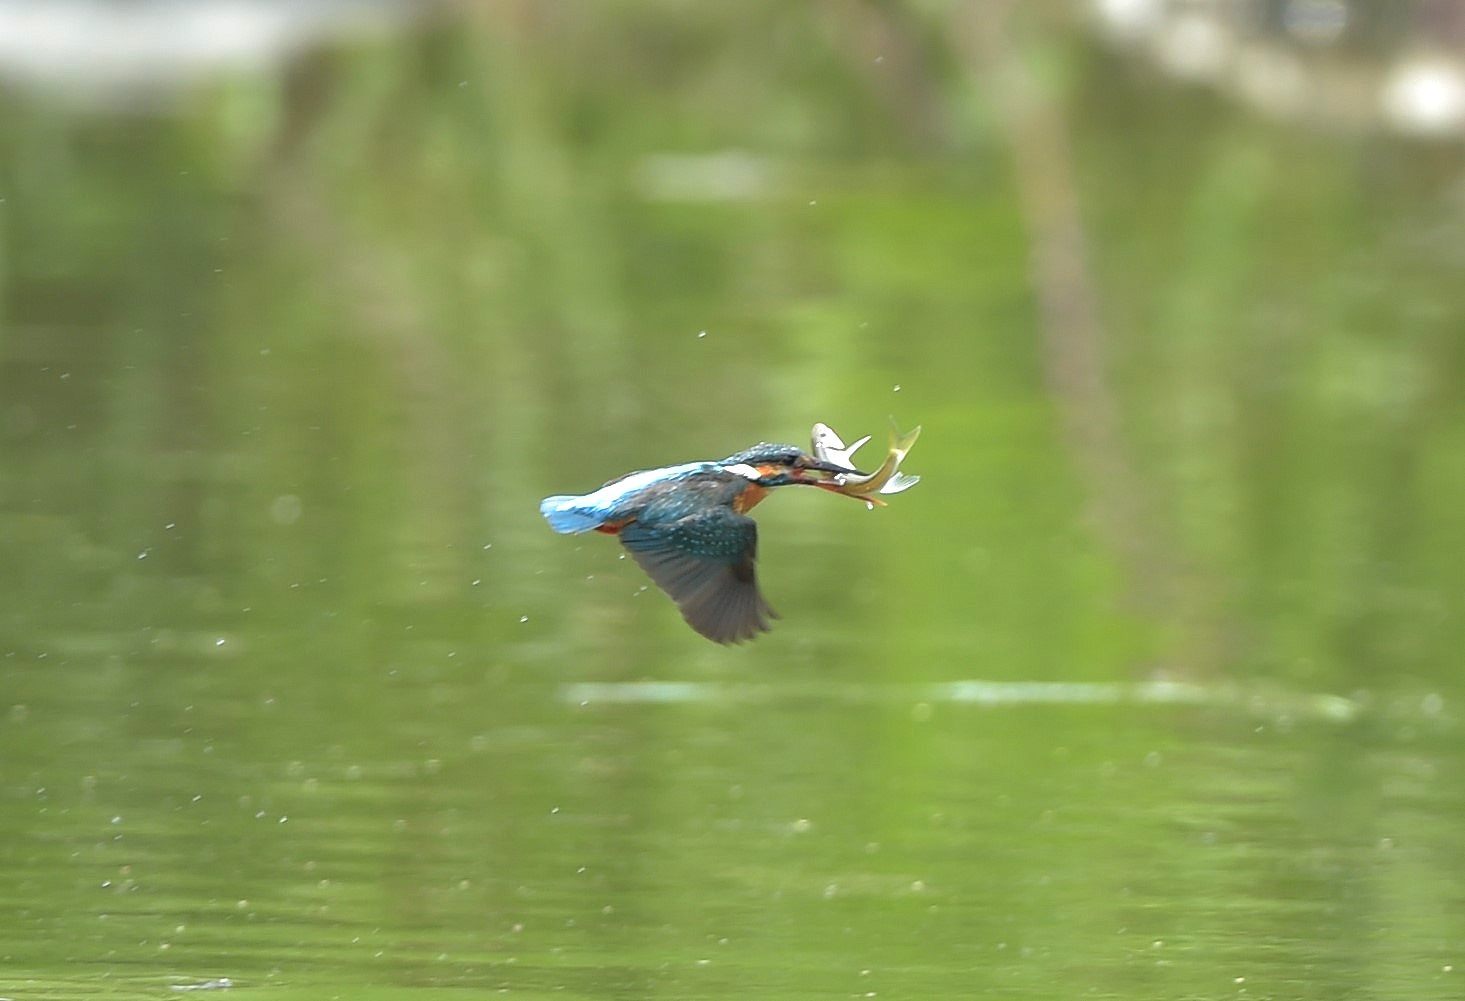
pixel 705 562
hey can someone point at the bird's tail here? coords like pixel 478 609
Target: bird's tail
pixel 568 515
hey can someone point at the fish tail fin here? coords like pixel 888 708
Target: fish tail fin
pixel 569 515
pixel 902 442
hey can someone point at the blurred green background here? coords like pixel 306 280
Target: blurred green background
pixel 1148 691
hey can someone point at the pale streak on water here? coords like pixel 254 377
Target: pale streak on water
pixel 1308 705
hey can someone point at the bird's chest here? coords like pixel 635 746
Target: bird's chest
pixel 748 499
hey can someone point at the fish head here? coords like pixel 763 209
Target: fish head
pixel 830 447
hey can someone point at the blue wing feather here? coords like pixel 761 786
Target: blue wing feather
pixel 704 562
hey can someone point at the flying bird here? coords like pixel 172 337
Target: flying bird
pixel 688 527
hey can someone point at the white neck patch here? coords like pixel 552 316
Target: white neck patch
pixel 744 470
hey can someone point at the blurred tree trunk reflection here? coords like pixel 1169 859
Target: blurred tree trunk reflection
pixel 1073 340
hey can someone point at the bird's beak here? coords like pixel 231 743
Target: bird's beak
pixel 820 466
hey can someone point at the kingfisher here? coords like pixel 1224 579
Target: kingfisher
pixel 688 527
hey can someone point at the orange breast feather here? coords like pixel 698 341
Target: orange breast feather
pixel 751 495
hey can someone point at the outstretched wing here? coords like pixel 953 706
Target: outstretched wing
pixel 705 562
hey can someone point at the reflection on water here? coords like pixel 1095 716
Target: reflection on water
pixel 1348 64
pixel 497 837
pixel 131 56
pixel 1281 707
pixel 298 692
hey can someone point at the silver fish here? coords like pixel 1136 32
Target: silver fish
pixel 829 447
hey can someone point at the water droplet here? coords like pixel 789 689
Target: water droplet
pixel 286 509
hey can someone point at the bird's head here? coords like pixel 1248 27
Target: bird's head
pixel 779 465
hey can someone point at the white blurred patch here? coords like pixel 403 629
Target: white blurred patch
pixel 1128 19
pixel 728 176
pixel 1194 46
pixel 286 509
pixel 1329 62
pixel 1271 80
pixel 1426 96
pixel 132 54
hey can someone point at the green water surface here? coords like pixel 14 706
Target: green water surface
pixel 1149 690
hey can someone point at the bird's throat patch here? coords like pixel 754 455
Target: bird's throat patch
pixel 749 498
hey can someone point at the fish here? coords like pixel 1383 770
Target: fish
pixel 829 447
pixel 888 479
